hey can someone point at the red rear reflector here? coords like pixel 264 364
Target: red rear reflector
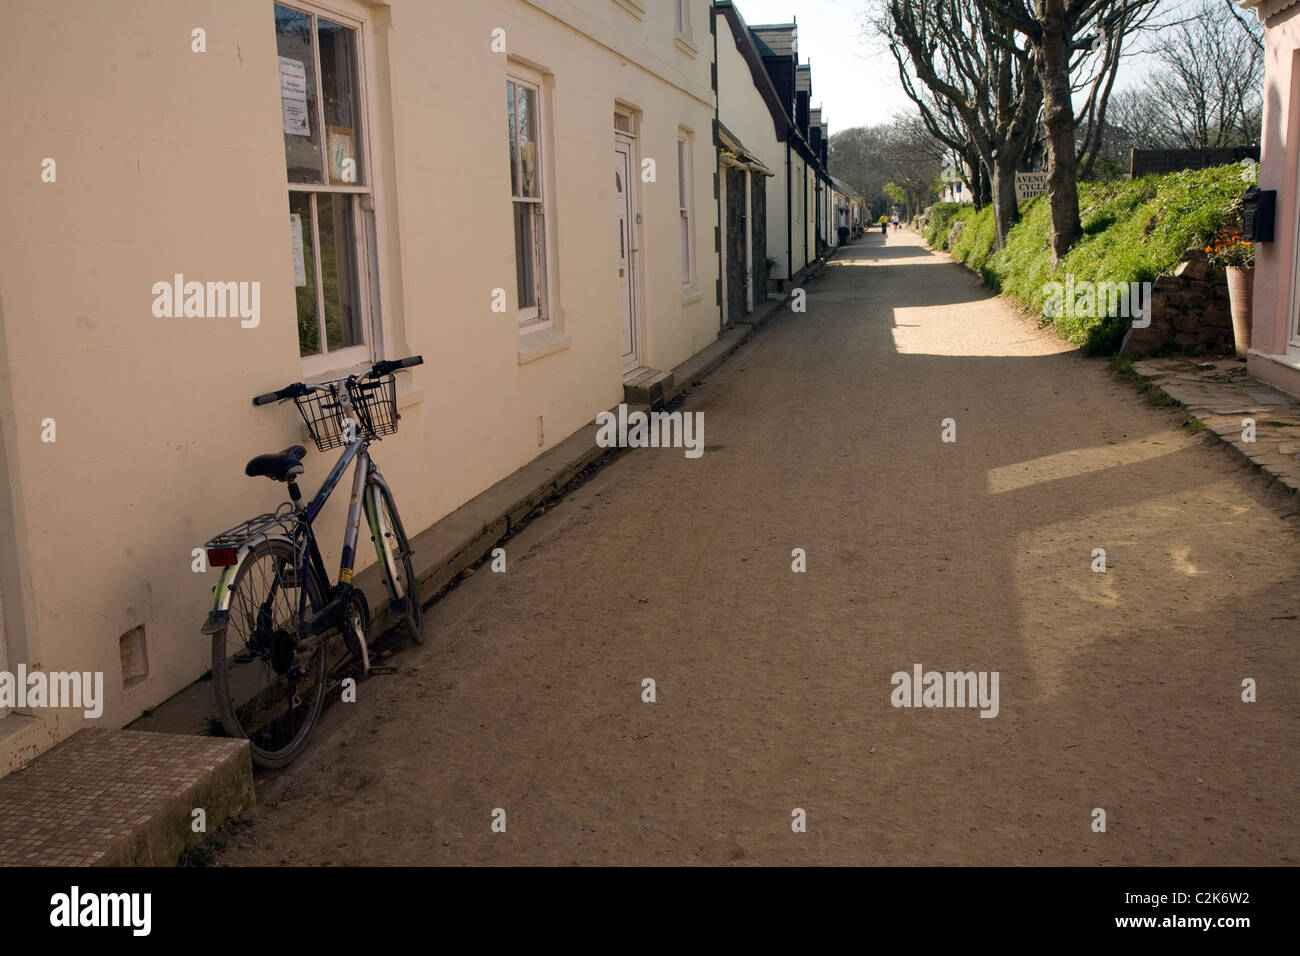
pixel 223 557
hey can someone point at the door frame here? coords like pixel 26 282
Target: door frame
pixel 625 144
pixel 1291 344
pixel 747 272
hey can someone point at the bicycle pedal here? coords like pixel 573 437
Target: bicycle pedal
pixel 384 669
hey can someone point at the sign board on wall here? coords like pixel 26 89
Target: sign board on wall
pixel 1029 185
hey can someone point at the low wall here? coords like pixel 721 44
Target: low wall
pixel 1189 311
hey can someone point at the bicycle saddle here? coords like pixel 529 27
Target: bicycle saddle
pixel 280 466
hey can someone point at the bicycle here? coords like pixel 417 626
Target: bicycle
pixel 274 611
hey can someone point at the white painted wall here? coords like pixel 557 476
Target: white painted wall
pixel 172 161
pixel 742 110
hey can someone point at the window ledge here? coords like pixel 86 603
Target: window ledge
pixel 685 45
pixel 691 295
pixel 633 7
pixel 535 345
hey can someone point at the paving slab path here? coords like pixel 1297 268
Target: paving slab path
pixel 1119 690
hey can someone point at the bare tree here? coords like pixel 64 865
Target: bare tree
pixel 914 158
pixel 957 62
pixel 940 118
pixel 1208 91
pixel 901 152
pixel 1252 27
pixel 1062 36
pixel 1137 120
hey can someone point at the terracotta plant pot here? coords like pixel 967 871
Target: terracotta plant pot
pixel 1241 284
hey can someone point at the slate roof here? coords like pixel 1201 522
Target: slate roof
pixel 776 39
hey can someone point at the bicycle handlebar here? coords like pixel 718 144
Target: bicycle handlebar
pixel 385 368
pixel 298 389
pixel 289 391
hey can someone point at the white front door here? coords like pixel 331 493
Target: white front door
pixel 625 212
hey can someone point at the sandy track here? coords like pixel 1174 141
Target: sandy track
pixel 1118 690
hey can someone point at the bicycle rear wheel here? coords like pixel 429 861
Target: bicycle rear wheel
pixel 269 688
pixel 394 553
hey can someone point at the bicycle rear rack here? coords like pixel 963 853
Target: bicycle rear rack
pixel 238 536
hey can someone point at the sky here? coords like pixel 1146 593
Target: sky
pixel 853 81
pixel 854 78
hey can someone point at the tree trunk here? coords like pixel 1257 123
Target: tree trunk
pixel 986 188
pixel 1058 119
pixel 1005 208
pixel 979 187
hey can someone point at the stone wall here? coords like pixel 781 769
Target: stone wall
pixel 1189 312
pixel 954 231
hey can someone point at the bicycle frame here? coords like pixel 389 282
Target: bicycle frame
pixel 357 450
pixel 301 535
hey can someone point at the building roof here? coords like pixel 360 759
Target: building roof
pixel 730 145
pixel 1264 9
pixel 843 187
pixel 776 39
pixel 803 78
pixel 748 45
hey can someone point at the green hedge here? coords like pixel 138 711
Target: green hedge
pixel 1133 231
pixel 940 220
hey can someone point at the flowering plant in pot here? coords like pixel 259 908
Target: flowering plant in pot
pixel 1237 258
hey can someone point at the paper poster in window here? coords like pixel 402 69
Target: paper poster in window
pixel 295 244
pixel 343 157
pixel 293 96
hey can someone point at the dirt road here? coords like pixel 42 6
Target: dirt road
pixel 1119 690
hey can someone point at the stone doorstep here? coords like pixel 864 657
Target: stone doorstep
pixel 121 798
pixel 646 386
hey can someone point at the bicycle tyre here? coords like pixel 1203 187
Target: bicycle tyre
pixel 406 592
pixel 268 749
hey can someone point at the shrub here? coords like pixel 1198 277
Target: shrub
pixel 936 227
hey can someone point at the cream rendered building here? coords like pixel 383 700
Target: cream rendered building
pixel 522 192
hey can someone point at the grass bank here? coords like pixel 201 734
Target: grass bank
pixel 1133 231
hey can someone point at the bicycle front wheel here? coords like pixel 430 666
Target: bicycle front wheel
pixel 269 685
pixel 394 552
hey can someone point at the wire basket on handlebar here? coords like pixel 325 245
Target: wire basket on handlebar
pixel 373 413
pixel 375 402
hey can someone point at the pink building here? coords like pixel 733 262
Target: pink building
pixel 1275 338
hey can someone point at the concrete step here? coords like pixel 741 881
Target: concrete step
pixel 121 798
pixel 647 386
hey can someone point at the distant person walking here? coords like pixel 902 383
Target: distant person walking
pixel 884 224
pixel 895 220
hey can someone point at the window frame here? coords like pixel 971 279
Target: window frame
pixel 686 204
pixel 364 202
pixel 683 37
pixel 541 316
